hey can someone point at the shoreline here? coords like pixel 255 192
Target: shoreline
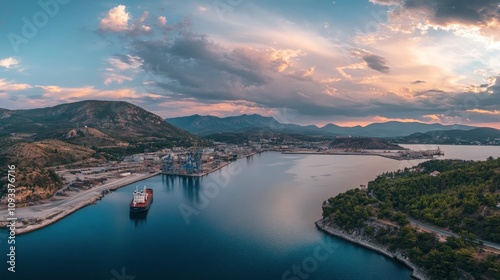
pixel 417 273
pixel 203 174
pixel 41 217
pixel 387 155
pixel 56 215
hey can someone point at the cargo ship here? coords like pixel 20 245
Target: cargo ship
pixel 142 200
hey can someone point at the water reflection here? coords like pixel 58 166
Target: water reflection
pixel 139 218
pixel 167 183
pixel 250 159
pixel 191 187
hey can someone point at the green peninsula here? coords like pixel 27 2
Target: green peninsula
pixel 441 217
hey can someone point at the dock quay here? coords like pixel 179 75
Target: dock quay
pixel 392 154
pixel 201 174
pixel 192 166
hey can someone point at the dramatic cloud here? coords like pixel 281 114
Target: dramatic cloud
pixel 444 12
pixel 465 18
pixel 291 66
pixel 407 60
pixel 9 62
pixel 194 65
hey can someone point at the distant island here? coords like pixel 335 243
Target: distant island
pixel 476 136
pixel 441 218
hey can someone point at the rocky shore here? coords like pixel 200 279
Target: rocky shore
pixel 418 273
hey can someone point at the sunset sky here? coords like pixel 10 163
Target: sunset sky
pixel 307 62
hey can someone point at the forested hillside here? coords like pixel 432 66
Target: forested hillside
pixel 462 197
pixel 459 196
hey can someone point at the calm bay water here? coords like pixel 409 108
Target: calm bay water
pixel 255 223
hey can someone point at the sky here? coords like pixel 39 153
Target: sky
pixel 307 62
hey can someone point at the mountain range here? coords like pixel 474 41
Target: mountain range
pixel 207 125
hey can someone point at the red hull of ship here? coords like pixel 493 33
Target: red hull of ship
pixel 141 207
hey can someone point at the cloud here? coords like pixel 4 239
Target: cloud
pixel 221 109
pixel 308 72
pixel 125 62
pixel 162 20
pixel 116 78
pixel 9 62
pixel 377 63
pixel 36 96
pixel 444 12
pixel 10 86
pixel 189 66
pixel 282 59
pixel 194 64
pixel 341 69
pixel 138 27
pixel 117 21
pixel 280 62
pixel 55 94
pixel 465 18
pixel 121 68
pixel 487 112
pixel 386 2
pixel 369 60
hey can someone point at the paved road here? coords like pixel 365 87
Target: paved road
pixel 449 233
pixel 46 209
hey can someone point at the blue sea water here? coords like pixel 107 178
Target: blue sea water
pixel 251 220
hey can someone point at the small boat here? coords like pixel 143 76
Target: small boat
pixel 142 200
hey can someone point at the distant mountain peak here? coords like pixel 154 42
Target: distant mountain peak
pixel 209 125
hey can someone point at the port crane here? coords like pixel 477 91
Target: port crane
pixel 188 163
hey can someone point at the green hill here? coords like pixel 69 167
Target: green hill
pixel 477 136
pixel 116 119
